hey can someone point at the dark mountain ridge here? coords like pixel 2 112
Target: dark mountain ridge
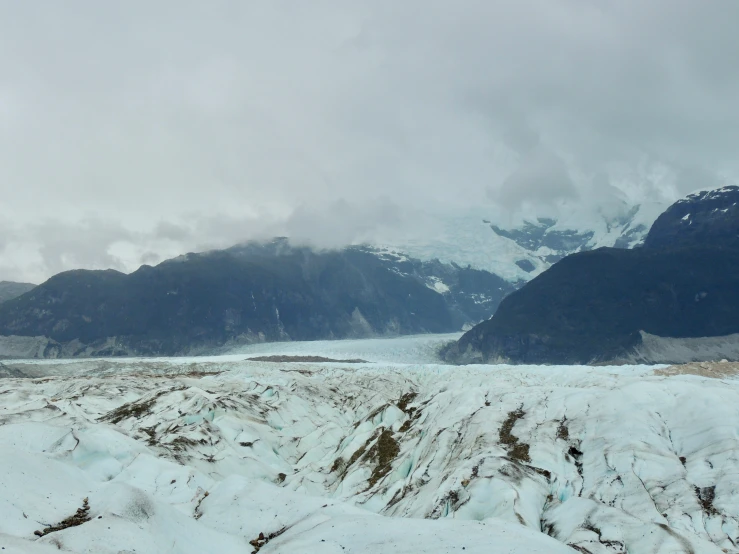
pixel 11 289
pixel 596 306
pixel 249 293
pixel 704 218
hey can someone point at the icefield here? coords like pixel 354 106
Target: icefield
pixel 398 454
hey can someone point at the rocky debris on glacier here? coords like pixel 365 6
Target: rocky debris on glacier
pixel 311 359
pixel 78 518
pixel 368 457
pixel 717 370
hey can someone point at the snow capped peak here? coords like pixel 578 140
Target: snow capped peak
pixel 704 217
pixel 709 194
pixel 521 250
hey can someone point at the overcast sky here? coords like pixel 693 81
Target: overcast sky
pixel 131 131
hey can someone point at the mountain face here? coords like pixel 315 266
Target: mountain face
pixel 592 306
pixel 549 240
pixel 10 290
pixel 519 252
pixel 708 217
pixel 249 293
pixel 626 305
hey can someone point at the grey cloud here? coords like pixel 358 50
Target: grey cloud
pixel 150 258
pixel 223 118
pixel 221 231
pixel 332 225
pixel 342 222
pixel 542 181
pixel 167 230
pixel 689 179
pixel 86 244
pixel 55 245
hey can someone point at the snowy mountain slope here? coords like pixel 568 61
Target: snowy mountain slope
pixel 522 250
pixel 193 457
pixel 468 240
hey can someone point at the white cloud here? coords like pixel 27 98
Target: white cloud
pixel 233 119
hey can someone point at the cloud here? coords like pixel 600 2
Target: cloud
pixel 342 223
pixel 44 248
pixel 542 181
pixel 231 117
pixel 84 244
pixel 688 179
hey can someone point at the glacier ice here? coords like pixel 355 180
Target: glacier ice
pixel 203 455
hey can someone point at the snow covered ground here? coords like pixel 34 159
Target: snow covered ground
pixel 394 455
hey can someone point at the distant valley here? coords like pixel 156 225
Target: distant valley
pixel 576 290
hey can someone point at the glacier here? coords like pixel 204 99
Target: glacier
pixel 470 238
pixel 398 454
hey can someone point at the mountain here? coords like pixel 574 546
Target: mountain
pixel 706 217
pixel 550 239
pixel 522 250
pixel 628 305
pixel 444 281
pixel 249 293
pixel 10 290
